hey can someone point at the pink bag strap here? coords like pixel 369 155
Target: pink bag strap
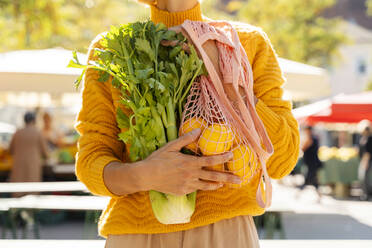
pixel 249 123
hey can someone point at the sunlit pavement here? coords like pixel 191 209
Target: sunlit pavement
pixel 328 219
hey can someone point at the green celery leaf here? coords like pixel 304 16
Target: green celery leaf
pixel 116 83
pixel 119 61
pixel 150 82
pixel 74 62
pixel 144 46
pixel 103 76
pixel 160 26
pixel 169 35
pixel 159 86
pixel 144 74
pixel 176 50
pixel 122 119
pixel 126 137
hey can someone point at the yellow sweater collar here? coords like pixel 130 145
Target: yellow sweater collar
pixel 175 18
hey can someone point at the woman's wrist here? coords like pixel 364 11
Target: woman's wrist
pixel 124 178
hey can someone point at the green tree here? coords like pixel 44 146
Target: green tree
pixel 369 7
pixel 296 27
pixel 369 86
pixel 71 24
pixel 217 10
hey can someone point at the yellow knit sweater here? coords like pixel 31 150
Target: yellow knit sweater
pixel 99 144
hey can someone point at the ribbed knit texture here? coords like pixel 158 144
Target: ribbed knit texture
pixel 99 144
pixel 175 18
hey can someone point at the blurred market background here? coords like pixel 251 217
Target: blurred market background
pixel 325 50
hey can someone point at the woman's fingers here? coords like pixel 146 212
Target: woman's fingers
pixel 209 160
pixel 176 29
pixel 176 145
pixel 202 185
pixel 221 177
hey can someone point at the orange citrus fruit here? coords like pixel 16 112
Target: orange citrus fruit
pixel 215 139
pixel 189 125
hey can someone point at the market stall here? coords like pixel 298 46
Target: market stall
pixel 40 79
pixel 304 82
pixel 38 71
pixel 342 113
pixel 339 109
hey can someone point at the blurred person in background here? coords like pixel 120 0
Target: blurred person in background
pixel 310 148
pixel 365 152
pixel 53 137
pixel 28 148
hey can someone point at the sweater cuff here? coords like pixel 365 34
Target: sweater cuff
pixel 171 19
pixel 270 119
pixel 95 180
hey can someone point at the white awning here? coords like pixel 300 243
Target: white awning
pixel 305 82
pixel 46 71
pixel 38 71
pixel 7 128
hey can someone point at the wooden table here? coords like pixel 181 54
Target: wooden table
pixel 263 243
pixel 42 187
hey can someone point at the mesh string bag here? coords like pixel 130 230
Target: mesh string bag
pixel 226 126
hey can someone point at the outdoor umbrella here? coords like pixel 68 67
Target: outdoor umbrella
pixel 339 109
pixel 305 82
pixel 38 71
pixel 45 71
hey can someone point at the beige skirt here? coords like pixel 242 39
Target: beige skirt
pixel 237 232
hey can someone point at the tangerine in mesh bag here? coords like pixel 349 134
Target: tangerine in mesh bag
pixel 189 125
pixel 215 139
pixel 227 126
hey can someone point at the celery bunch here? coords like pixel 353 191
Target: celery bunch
pixel 154 81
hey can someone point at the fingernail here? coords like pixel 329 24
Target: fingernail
pixel 195 131
pixel 230 155
pixel 237 180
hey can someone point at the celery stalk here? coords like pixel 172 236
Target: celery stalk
pixel 154 82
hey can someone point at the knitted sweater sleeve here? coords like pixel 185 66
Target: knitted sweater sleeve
pixel 275 112
pixel 96 123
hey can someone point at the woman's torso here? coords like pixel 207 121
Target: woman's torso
pixel 133 213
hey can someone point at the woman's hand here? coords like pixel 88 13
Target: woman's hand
pixel 169 171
